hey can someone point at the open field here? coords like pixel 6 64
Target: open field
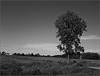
pixel 25 65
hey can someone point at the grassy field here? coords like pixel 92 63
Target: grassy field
pixel 25 65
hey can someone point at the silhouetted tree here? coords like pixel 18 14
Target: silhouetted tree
pixel 70 28
pixel 14 54
pixel 32 54
pixel 3 53
pixel 37 55
pixel 22 54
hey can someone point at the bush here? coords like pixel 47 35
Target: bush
pixel 88 55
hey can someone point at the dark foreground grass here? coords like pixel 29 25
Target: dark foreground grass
pixel 48 68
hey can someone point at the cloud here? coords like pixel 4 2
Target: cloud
pixel 45 46
pixel 90 37
pixel 91 50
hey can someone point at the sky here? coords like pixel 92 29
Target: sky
pixel 28 26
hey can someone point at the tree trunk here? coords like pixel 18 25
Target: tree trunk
pixel 80 57
pixel 68 58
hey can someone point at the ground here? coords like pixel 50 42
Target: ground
pixel 27 65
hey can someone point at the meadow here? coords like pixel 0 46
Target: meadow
pixel 28 65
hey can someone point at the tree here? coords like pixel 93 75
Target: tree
pixel 37 55
pixel 22 54
pixel 3 53
pixel 14 54
pixel 32 54
pixel 70 29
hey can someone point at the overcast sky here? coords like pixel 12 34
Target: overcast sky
pixel 28 26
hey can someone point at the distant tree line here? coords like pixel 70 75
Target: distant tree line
pixel 23 54
pixel 87 55
pixel 4 53
pixel 90 55
pixel 29 54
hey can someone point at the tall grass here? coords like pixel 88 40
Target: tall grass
pixel 46 68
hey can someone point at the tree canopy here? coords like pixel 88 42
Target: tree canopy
pixel 70 29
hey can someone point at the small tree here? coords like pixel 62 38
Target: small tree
pixel 3 53
pixel 70 28
pixel 32 54
pixel 37 55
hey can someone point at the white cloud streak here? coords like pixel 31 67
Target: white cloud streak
pixel 91 50
pixel 90 37
pixel 44 46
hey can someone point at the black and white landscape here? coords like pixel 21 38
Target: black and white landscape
pixel 53 37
